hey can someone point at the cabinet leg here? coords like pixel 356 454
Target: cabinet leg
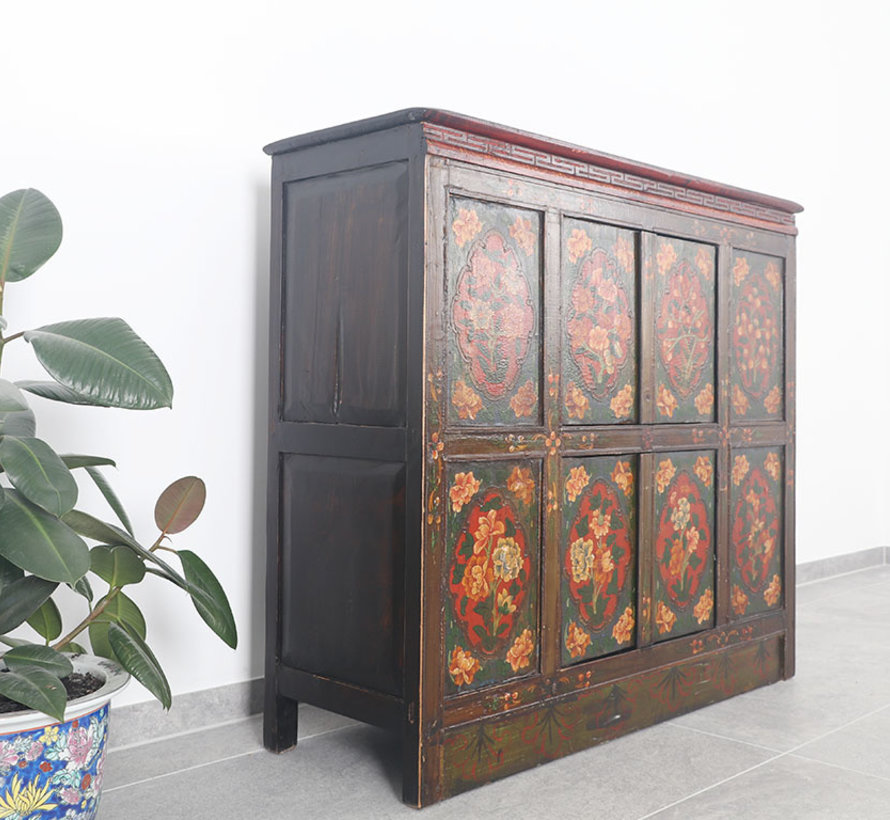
pixel 279 723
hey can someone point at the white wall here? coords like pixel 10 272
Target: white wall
pixel 145 123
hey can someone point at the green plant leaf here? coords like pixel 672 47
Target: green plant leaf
pixel 38 542
pixel 47 620
pixel 180 504
pixel 58 392
pixel 30 233
pixel 21 599
pixel 121 610
pixel 11 398
pixel 212 604
pixel 105 360
pixel 74 461
pixel 135 656
pixel 18 423
pixel 39 656
pixel 82 587
pixel 8 572
pixel 90 527
pixel 37 689
pixel 117 566
pixel 74 648
pixel 111 497
pixel 38 473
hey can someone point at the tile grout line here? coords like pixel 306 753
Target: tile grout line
pixel 725 737
pixel 176 735
pixel 789 752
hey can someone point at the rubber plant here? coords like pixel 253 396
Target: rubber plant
pixel 47 542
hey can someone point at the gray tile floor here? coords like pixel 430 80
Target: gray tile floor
pixel 815 746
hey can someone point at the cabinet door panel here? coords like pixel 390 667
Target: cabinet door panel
pixel 756 543
pixel 684 544
pixel 685 330
pixel 599 350
pixel 493 314
pixel 492 572
pixel 599 561
pixel 757 335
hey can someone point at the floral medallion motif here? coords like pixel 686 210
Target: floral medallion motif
pixel 756 535
pixel 492 580
pixel 598 557
pixel 599 307
pixel 684 330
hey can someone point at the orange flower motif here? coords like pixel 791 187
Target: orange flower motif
pixel 739 401
pixel 465 226
pixel 489 528
pixel 600 524
pixel 477 578
pixel 607 290
pixel 466 401
pixel 576 402
pixel 464 488
pixel 519 654
pixel 704 401
pixel 704 469
pixel 739 600
pixel 462 667
pixel 523 403
pixel 521 231
pixel 702 611
pixel 521 484
pixel 623 629
pixel 773 466
pixel 578 244
pixel 623 477
pixel 773 276
pixel 740 270
pixel 664 618
pixel 678 554
pixel 704 261
pixel 665 258
pixel 773 591
pixel 666 403
pixel 577 640
pixel 739 469
pixel 623 403
pixel 773 401
pixel 578 480
pixel 598 339
pixel 624 253
pixel 666 472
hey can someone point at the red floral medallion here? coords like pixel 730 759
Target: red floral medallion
pixel 490 572
pixel 684 328
pixel 493 315
pixel 683 541
pixel 598 555
pixel 756 337
pixel 599 324
pixel 755 532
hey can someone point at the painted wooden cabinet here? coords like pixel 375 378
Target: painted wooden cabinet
pixel 531 442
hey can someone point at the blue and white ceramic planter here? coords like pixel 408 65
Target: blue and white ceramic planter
pixel 53 771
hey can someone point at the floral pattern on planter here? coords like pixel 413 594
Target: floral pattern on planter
pixel 757 337
pixel 684 544
pixel 599 557
pixel 756 531
pixel 54 772
pixel 492 578
pixel 599 303
pixel 684 330
pixel 493 262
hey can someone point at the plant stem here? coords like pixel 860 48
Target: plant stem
pixel 94 613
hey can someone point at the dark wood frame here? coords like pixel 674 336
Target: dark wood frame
pixel 442 153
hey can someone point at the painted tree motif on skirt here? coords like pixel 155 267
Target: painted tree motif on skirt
pixel 599 283
pixel 757 337
pixel 756 537
pixel 684 544
pixel 493 265
pixel 492 573
pixel 684 330
pixel 598 588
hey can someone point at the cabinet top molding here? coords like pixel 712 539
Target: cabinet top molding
pixel 499 141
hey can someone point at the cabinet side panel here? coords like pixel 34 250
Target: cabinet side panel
pixel 342 535
pixel 345 266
